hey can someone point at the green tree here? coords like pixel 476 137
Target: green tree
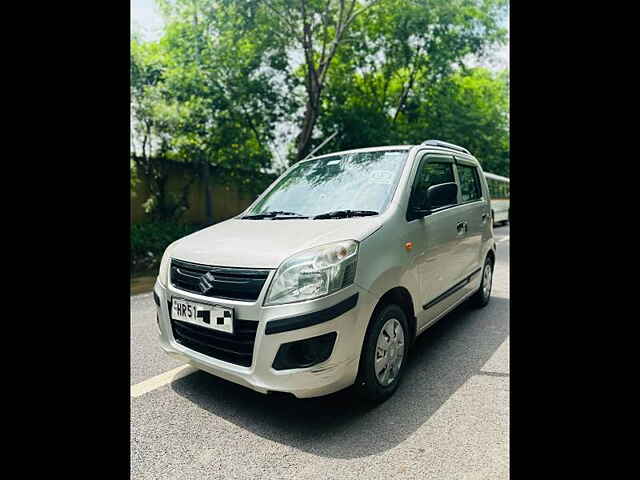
pixel 225 76
pixel 212 102
pixel 379 43
pixel 133 176
pixel 149 123
pixel 470 108
pixel 319 29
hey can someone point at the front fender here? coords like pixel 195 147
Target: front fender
pixel 382 268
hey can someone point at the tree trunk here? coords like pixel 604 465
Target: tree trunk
pixel 304 139
pixel 161 194
pixel 208 207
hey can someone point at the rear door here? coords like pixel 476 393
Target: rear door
pixel 436 255
pixel 475 212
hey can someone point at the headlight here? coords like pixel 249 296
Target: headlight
pixel 314 273
pixel 163 273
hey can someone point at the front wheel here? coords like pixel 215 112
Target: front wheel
pixel 482 296
pixel 383 355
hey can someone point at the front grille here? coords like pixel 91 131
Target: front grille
pixel 236 348
pixel 220 282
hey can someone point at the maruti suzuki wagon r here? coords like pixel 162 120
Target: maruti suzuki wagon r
pixel 326 280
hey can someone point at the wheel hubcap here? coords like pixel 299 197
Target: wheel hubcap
pixel 486 282
pixel 389 352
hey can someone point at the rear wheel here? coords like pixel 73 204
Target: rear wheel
pixel 482 296
pixel 383 355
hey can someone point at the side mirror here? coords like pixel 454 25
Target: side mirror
pixel 441 195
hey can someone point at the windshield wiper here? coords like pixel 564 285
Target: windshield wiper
pixel 346 214
pixel 274 215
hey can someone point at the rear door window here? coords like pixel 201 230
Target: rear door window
pixel 469 183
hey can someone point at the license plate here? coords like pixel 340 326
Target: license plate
pixel 214 317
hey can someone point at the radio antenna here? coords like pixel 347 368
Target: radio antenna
pixel 320 146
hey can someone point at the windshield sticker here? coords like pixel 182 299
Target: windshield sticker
pixel 381 176
pixel 394 155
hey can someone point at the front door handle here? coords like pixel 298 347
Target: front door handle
pixel 461 227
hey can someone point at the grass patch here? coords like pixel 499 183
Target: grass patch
pixel 150 240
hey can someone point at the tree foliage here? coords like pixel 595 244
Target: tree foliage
pixel 468 107
pixel 226 75
pixel 201 96
pixel 383 43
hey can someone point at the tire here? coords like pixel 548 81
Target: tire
pixel 368 385
pixel 482 296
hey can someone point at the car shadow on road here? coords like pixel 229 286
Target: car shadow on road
pixel 339 426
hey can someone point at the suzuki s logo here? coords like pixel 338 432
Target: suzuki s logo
pixel 206 282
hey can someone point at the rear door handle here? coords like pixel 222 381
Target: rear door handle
pixel 484 216
pixel 461 227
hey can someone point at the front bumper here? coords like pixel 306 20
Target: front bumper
pixel 337 372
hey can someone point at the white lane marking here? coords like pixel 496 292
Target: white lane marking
pixel 158 381
pixel 140 296
pixel 504 239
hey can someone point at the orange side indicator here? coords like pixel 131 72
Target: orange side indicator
pixel 408 246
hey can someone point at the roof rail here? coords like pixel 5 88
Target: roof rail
pixel 440 143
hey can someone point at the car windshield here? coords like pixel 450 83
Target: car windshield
pixel 338 186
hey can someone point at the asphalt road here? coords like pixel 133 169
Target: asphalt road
pixel 449 419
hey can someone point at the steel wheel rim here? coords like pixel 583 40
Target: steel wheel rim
pixel 486 281
pixel 389 352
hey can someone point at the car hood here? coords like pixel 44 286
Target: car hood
pixel 266 243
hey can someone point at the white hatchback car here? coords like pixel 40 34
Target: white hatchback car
pixel 329 276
